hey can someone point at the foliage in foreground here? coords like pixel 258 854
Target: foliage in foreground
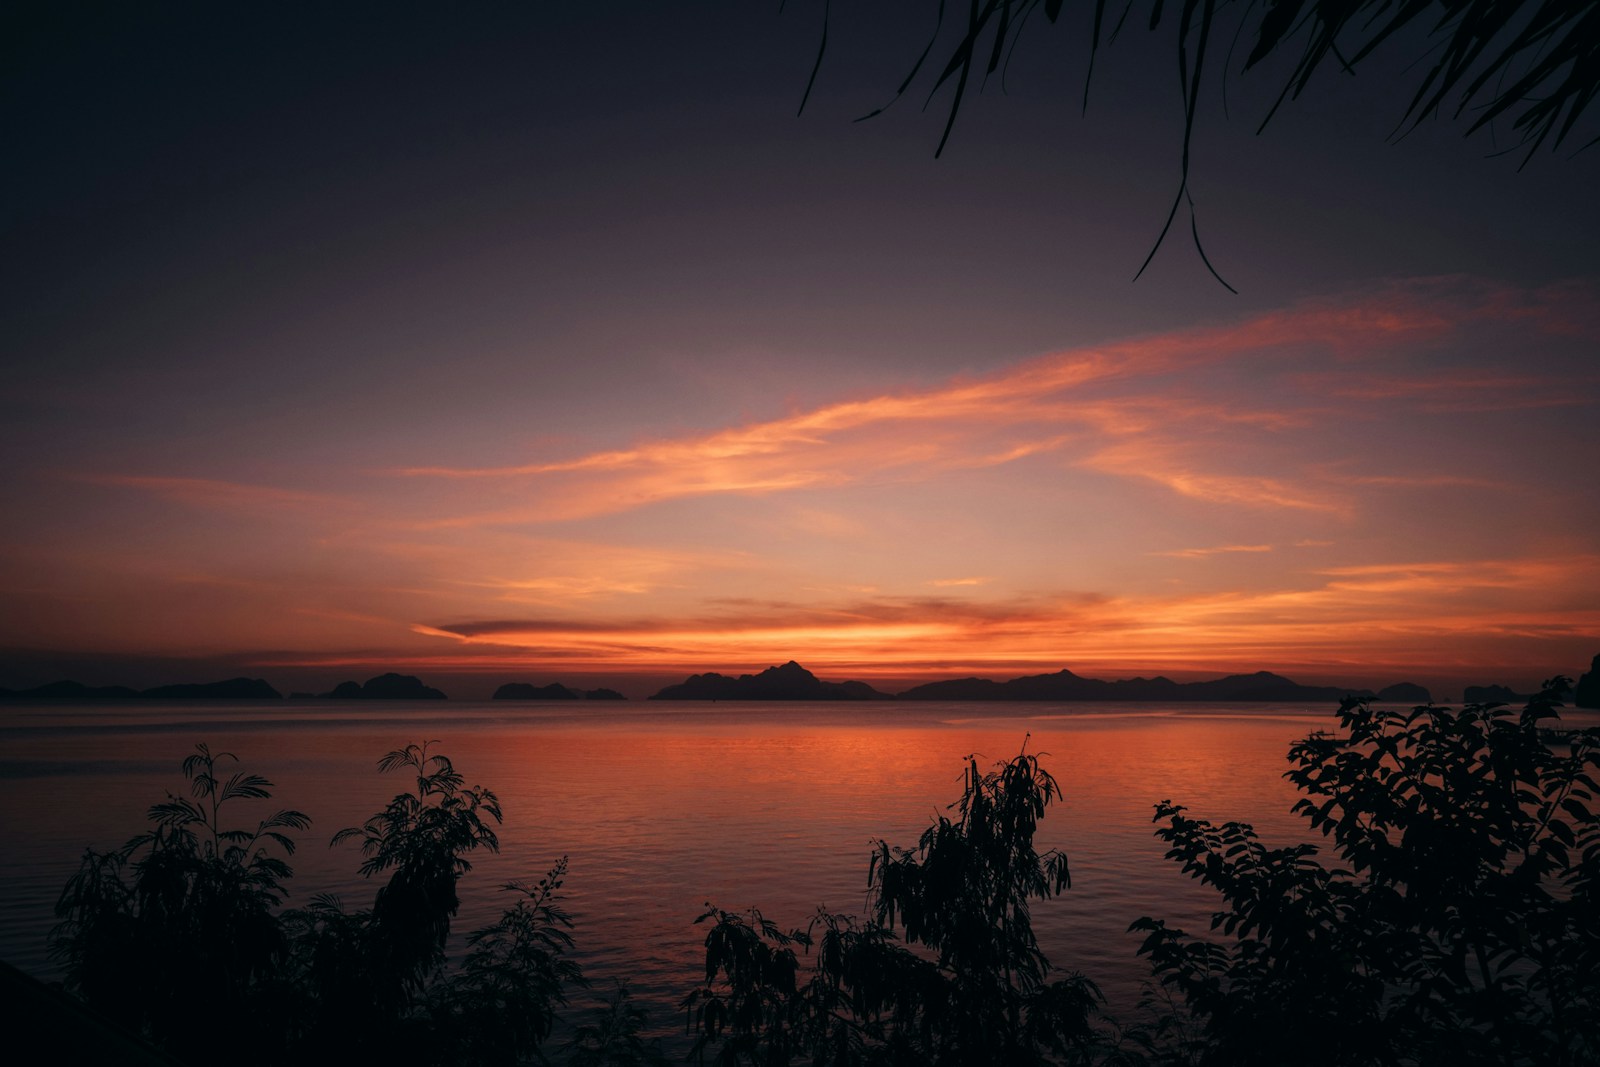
pixel 175 935
pixel 946 969
pixel 1460 924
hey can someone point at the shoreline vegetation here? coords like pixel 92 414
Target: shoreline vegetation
pixel 791 681
pixel 1449 914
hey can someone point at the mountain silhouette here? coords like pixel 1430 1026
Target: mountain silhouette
pixel 1067 686
pixel 553 691
pixel 1490 694
pixel 232 689
pixel 1586 694
pixel 788 682
pixel 390 686
pixel 1405 693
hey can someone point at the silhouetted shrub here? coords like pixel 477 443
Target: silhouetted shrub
pixel 174 935
pixel 177 934
pixel 1459 927
pixel 946 969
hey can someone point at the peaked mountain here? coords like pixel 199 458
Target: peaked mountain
pixel 553 691
pixel 1586 694
pixel 1066 686
pixel 788 682
pixel 390 686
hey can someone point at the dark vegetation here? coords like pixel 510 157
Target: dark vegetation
pixel 1532 65
pixel 1457 922
pixel 1586 694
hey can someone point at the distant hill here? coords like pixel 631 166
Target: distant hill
pixel 1491 694
pixel 553 691
pixel 788 682
pixel 65 690
pixel 232 689
pixel 1405 693
pixel 1066 686
pixel 389 686
pixel 1586 694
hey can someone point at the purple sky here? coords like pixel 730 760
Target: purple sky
pixel 549 344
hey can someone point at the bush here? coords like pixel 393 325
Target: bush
pixel 177 934
pixel 946 969
pixel 1460 925
pixel 174 935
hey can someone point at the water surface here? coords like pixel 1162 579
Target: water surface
pixel 665 807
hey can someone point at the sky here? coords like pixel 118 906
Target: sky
pixel 549 343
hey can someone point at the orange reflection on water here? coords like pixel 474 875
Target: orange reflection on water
pixel 663 808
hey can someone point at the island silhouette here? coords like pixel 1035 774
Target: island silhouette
pixel 1586 694
pixel 791 681
pixel 553 691
pixel 390 686
pixel 231 689
pixel 788 682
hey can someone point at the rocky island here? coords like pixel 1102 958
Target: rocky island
pixel 1586 694
pixel 390 686
pixel 788 682
pixel 231 689
pixel 1064 685
pixel 553 691
pixel 1405 693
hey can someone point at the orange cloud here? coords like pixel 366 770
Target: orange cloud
pixel 1201 553
pixel 1078 470
pixel 1113 408
pixel 1379 613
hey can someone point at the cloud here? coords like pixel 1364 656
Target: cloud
pixel 1341 615
pixel 1168 465
pixel 1201 553
pixel 1124 409
pixel 1454 390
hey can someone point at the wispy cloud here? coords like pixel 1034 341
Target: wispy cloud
pixel 1116 408
pixel 1454 390
pixel 1058 511
pixel 1167 465
pixel 1202 553
pixel 1379 609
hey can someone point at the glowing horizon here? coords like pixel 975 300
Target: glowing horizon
pixel 1342 485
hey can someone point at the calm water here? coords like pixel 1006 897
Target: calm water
pixel 665 807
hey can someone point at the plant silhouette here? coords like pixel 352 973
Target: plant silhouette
pixel 1460 926
pixel 1529 63
pixel 946 969
pixel 174 934
pixel 177 935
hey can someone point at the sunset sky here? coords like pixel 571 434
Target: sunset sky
pixel 551 345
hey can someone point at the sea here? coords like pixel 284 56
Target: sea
pixel 667 809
